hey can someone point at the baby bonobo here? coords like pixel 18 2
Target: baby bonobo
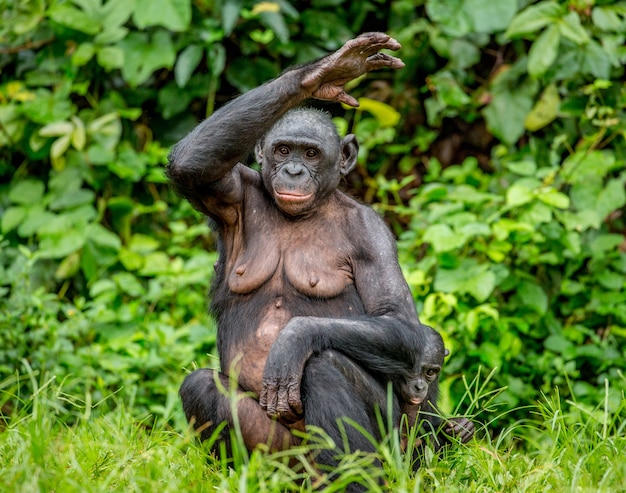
pixel 308 294
pixel 418 390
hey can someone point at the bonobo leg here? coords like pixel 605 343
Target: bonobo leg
pixel 333 386
pixel 207 407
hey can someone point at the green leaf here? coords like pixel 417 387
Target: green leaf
pixel 26 192
pixel 83 54
pixel 552 197
pixel 156 263
pixel 57 150
pixel 510 102
pixel 216 59
pixel 68 16
pixel 110 57
pixel 481 285
pixel 276 22
pixel 488 16
pixel 386 115
pixel 449 16
pixel 558 344
pixel 130 260
pixel 79 134
pixel 56 129
pixel 606 18
pixel 611 280
pixel 533 296
pixel 596 60
pixel 143 244
pixel 518 195
pixel 110 35
pixel 72 198
pixel 581 166
pixel 442 238
pixel 604 243
pixel 448 91
pixel 144 55
pixel 115 13
pixel 37 218
pixel 230 15
pixel 534 18
pixel 522 168
pixel 101 236
pixel 543 51
pixel 12 122
pixel 470 277
pixel 572 29
pixel 68 267
pixel 61 244
pixel 186 63
pixel 545 110
pixel 129 284
pixel 174 15
pixel 11 217
pixel 611 199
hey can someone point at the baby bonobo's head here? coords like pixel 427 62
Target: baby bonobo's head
pixel 415 388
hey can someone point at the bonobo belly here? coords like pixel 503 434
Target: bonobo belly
pixel 246 359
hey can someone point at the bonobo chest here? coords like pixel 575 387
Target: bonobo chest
pixel 313 255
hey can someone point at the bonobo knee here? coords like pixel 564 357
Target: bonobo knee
pixel 203 402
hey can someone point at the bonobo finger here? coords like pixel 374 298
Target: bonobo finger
pixel 345 98
pixel 295 402
pixel 382 60
pixel 285 415
pixel 263 398
pixel 269 399
pixel 462 428
pixel 378 41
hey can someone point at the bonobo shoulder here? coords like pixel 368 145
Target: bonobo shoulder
pixel 373 225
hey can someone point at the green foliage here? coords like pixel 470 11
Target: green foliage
pixel 497 155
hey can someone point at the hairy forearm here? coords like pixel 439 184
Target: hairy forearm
pixel 384 345
pixel 227 137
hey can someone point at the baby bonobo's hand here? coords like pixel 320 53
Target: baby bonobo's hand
pixel 462 428
pixel 357 57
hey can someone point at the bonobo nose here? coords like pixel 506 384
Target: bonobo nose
pixel 293 169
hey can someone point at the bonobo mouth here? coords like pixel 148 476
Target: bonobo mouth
pixel 416 400
pixel 293 197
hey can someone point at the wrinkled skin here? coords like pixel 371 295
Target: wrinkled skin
pixel 312 309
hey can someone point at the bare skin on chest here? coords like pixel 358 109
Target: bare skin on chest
pixel 265 264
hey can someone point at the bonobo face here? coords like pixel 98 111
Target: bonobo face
pixel 303 159
pixel 427 368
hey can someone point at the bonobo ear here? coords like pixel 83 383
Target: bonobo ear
pixel 446 353
pixel 258 152
pixel 349 153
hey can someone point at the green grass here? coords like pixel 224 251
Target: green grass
pixel 560 447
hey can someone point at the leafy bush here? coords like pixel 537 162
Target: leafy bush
pixel 497 156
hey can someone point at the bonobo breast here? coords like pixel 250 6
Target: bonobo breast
pixel 273 269
pixel 313 256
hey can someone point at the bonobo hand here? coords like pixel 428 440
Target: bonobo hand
pixel 462 428
pixel 280 395
pixel 357 57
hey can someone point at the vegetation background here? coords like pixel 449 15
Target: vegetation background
pixel 497 156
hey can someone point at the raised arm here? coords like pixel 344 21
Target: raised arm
pixel 216 145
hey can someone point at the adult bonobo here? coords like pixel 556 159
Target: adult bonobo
pixel 312 309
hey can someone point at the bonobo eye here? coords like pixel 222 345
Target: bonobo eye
pixel 284 150
pixel 432 372
pixel 311 153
